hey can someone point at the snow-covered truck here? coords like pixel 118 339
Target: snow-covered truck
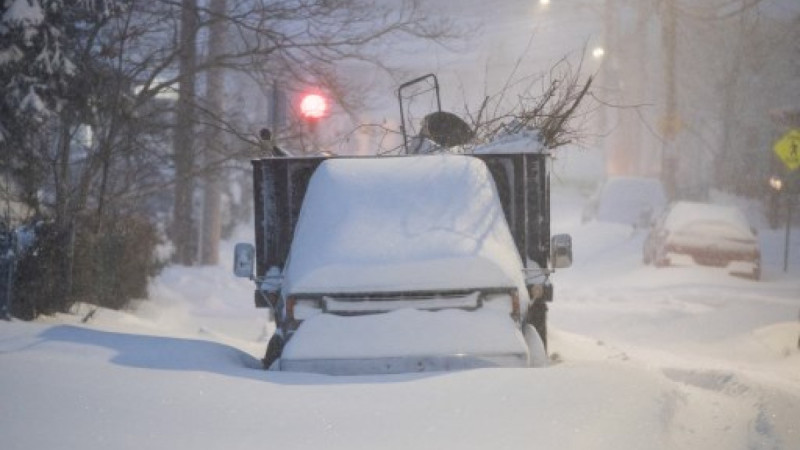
pixel 404 263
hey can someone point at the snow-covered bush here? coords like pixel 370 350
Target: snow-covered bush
pixel 114 261
pixel 112 264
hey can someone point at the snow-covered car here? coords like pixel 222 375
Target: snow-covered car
pixel 708 234
pixel 626 200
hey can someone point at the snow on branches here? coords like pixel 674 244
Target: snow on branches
pixel 37 57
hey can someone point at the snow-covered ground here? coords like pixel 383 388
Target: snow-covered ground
pixel 675 358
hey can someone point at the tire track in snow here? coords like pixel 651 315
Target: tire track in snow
pixel 723 409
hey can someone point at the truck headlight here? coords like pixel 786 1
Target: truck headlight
pixel 298 309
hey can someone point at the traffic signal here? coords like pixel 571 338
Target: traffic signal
pixel 313 106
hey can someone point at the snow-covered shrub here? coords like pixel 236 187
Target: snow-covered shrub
pixel 113 261
pixel 36 285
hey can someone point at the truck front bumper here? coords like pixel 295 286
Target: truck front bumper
pixel 401 364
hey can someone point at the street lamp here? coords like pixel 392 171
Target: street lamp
pixel 598 52
pixel 313 107
pixel 776 183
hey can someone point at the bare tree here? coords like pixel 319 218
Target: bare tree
pixel 545 106
pixel 118 134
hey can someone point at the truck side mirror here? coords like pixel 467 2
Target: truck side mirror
pixel 243 259
pixel 561 251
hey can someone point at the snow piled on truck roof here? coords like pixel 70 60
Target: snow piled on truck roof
pixel 402 224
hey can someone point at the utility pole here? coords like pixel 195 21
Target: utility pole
pixel 183 155
pixel 671 121
pixel 607 79
pixel 277 109
pixel 725 162
pixel 639 83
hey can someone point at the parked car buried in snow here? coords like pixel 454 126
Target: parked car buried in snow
pixel 708 234
pixel 400 264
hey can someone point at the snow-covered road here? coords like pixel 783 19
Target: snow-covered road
pixel 726 348
pixel 685 357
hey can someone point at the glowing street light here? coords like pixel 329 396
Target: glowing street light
pixel 544 2
pixel 598 52
pixel 776 183
pixel 313 106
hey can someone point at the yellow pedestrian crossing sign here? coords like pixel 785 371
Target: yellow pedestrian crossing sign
pixel 788 149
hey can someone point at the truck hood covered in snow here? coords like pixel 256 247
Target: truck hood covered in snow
pixel 401 224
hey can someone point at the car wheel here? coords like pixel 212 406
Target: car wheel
pixel 274 350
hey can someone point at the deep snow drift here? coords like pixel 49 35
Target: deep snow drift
pixel 674 358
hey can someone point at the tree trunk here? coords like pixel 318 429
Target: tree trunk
pixel 183 229
pixel 65 225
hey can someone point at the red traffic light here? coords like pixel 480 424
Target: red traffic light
pixel 313 106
